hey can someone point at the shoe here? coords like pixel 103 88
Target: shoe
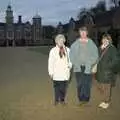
pixel 104 105
pixel 101 104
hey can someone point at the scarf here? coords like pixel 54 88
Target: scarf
pixel 61 51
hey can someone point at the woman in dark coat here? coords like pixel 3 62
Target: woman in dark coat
pixel 105 69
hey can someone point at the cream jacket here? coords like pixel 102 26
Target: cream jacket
pixel 59 68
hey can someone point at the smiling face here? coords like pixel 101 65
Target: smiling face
pixel 60 42
pixel 83 34
pixel 105 41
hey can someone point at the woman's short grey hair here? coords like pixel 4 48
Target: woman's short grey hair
pixel 60 37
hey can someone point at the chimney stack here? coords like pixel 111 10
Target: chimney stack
pixel 19 19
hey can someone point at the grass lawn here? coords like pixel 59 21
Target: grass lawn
pixel 26 91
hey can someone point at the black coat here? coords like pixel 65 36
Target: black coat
pixel 105 69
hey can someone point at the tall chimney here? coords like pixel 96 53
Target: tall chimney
pixel 19 19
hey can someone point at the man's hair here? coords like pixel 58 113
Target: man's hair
pixel 83 28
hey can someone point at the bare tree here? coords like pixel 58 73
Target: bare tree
pixel 86 14
pixel 99 8
pixel 115 2
pixel 89 14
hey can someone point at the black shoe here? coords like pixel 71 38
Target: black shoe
pixel 56 103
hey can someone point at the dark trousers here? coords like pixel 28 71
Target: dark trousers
pixel 60 88
pixel 84 82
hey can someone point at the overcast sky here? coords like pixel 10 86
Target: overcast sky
pixel 51 11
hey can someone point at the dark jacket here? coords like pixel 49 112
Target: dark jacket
pixel 117 66
pixel 105 69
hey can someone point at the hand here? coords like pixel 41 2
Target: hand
pixel 51 76
pixel 82 68
pixel 69 67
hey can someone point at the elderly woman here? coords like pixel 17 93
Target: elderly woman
pixel 105 72
pixel 59 66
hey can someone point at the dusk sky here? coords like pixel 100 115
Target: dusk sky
pixel 51 11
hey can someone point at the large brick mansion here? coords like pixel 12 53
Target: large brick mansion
pixel 12 34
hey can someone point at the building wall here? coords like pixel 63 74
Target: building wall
pixel 31 35
pixel 20 33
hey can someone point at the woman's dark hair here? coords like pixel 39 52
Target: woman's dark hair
pixel 107 36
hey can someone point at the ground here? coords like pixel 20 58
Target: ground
pixel 26 91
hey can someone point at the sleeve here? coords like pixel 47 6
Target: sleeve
pixel 71 54
pixel 114 60
pixel 51 62
pixel 95 55
pixel 114 64
pixel 69 61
